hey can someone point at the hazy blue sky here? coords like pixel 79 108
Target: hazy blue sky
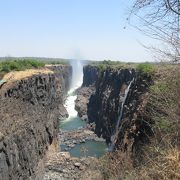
pixel 86 29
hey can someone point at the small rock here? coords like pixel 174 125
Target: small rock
pixel 65 171
pixel 82 167
pixel 83 141
pixel 77 164
pixel 71 145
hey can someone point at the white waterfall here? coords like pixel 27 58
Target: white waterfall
pixel 116 132
pixel 77 79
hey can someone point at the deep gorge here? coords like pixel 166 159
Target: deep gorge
pixel 103 91
pixel 32 107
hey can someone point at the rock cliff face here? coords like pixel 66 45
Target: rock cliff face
pixel 104 104
pixel 90 75
pixel 30 105
pixel 88 88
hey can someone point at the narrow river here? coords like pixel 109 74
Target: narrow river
pixel 73 122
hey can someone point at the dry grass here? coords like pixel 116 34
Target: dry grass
pixel 161 158
pixel 18 75
pixel 165 165
pixel 116 165
pixel 14 76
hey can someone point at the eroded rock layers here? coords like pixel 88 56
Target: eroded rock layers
pixel 103 104
pixel 29 112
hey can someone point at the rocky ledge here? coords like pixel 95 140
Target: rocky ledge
pixel 83 95
pixel 61 166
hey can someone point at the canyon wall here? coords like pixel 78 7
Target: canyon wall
pixel 90 75
pixel 31 103
pixel 104 103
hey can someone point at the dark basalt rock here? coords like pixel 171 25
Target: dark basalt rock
pixel 29 113
pixel 103 105
pixel 83 95
pixel 90 75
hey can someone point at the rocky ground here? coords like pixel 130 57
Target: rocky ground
pixel 61 166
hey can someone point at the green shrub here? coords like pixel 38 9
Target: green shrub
pixel 145 68
pixel 102 67
pixel 159 88
pixel 19 65
pixel 163 124
pixel 5 68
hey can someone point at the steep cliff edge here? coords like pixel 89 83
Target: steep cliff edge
pixel 30 105
pixel 151 107
pixel 104 103
pixel 90 76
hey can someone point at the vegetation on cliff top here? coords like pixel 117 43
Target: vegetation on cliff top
pixel 41 59
pixel 19 65
pixel 145 68
pixel 103 65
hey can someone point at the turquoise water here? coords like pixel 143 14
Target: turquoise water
pixel 89 148
pixel 72 123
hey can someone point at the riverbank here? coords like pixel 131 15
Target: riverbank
pixel 77 136
pixel 75 161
